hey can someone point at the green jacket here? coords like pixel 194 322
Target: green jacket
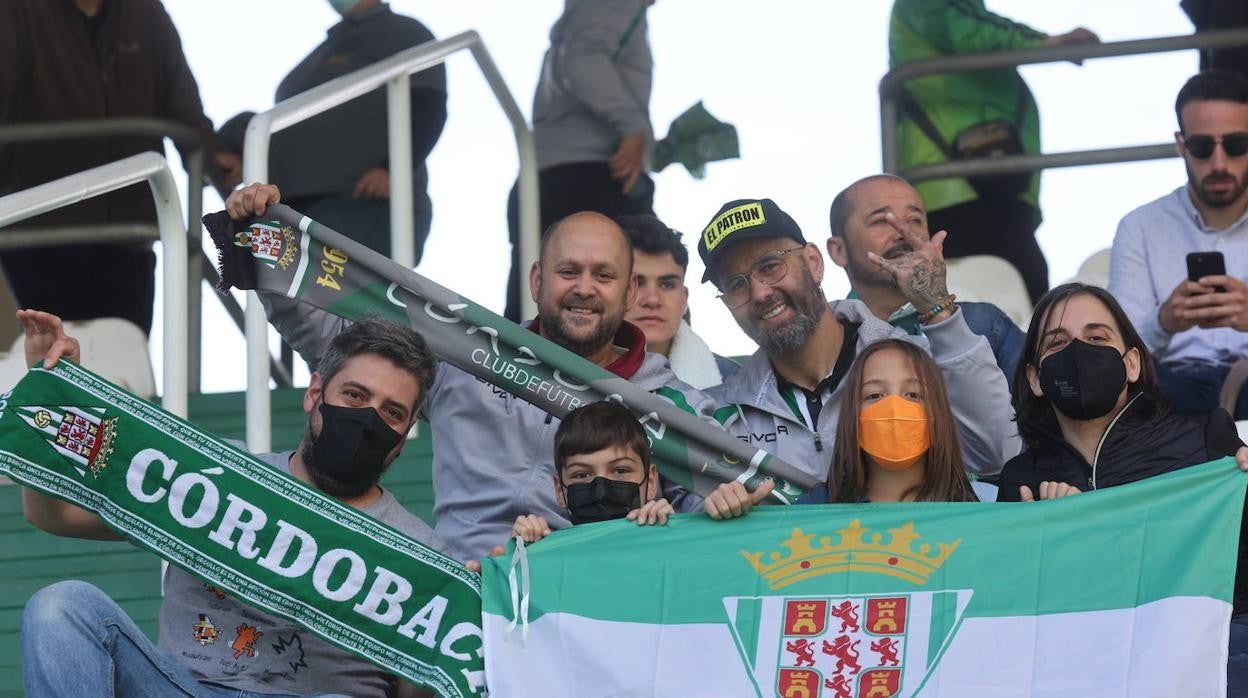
pixel 954 101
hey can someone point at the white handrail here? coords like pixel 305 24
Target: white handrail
pixel 393 72
pixel 90 183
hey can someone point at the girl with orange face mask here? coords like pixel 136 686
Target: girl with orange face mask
pixel 903 446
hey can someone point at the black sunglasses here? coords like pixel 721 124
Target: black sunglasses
pixel 1201 146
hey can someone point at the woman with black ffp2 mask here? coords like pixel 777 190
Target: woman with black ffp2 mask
pixel 1088 405
pixel 1091 415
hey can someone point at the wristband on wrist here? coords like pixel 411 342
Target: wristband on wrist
pixel 941 306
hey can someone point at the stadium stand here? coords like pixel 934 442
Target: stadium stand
pixel 990 279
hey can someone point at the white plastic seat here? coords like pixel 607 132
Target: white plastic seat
pixel 990 279
pixel 1095 269
pixel 112 347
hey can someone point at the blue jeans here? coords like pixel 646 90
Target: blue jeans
pixel 1237 664
pixel 1193 388
pixel 76 641
pixel 1006 340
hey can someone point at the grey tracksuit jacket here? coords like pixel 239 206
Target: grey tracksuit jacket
pixel 978 394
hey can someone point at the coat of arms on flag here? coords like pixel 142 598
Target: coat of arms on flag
pixel 849 646
pixel 81 434
pixel 1125 591
pixel 844 646
pixel 272 244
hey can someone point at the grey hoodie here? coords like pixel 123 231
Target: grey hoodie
pixel 595 84
pixel 493 453
pixel 978 394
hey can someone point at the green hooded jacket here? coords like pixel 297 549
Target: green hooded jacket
pixel 922 29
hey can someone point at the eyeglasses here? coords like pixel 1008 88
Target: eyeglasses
pixel 769 270
pixel 1201 146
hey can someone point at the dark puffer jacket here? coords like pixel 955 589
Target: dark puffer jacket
pixel 1144 440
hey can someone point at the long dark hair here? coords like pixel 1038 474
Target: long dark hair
pixel 1035 414
pixel 945 475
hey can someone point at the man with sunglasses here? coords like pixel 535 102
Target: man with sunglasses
pixel 1196 329
pixel 788 391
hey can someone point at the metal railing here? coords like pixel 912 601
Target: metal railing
pixel 892 82
pixel 199 267
pixel 394 73
pixel 152 168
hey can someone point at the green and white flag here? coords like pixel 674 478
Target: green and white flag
pixel 243 527
pixel 1120 592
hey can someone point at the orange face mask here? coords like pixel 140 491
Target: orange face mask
pixel 893 431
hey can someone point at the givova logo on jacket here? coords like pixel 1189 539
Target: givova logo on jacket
pixel 849 646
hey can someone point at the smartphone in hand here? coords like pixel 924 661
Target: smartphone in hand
pixel 1202 264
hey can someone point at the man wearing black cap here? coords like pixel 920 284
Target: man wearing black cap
pixel 769 277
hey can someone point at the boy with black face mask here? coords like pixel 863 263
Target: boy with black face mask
pixel 602 472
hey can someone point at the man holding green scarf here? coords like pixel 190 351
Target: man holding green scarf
pixel 361 403
pixel 493 457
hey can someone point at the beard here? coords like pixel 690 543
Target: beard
pixel 1217 199
pixel 808 304
pixel 322 479
pixel 865 272
pixel 582 337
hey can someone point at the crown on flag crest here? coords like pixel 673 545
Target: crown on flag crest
pixel 108 432
pixel 288 250
pixel 858 550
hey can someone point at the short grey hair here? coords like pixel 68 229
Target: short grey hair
pixel 401 345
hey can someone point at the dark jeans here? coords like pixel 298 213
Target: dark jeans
pixel 1193 388
pixel 1005 229
pixel 1006 340
pixel 367 221
pixel 1237 663
pixel 568 189
pixel 84 282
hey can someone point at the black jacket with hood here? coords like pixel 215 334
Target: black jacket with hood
pixel 1144 440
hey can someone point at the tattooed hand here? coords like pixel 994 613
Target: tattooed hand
pixel 920 273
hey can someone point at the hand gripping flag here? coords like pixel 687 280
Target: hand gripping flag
pixel 289 254
pixel 245 528
pixel 1119 592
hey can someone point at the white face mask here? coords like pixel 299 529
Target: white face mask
pixel 342 7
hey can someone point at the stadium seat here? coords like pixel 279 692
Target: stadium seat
pixel 991 280
pixel 1095 269
pixel 114 348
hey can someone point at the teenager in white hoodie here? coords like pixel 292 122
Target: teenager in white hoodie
pixel 660 260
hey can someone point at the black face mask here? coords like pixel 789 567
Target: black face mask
pixel 349 455
pixel 602 500
pixel 1083 381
